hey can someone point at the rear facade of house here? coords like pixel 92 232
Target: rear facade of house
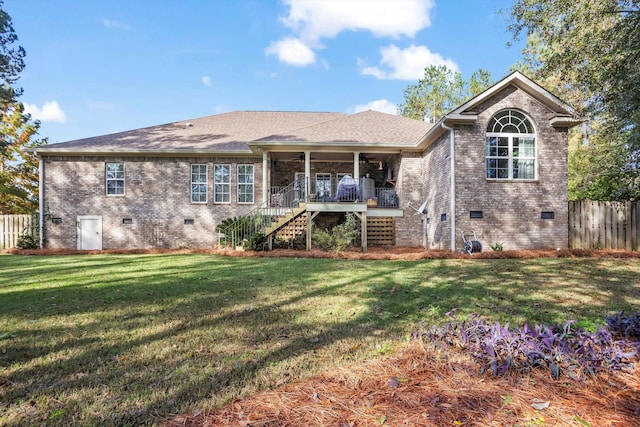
pixel 496 168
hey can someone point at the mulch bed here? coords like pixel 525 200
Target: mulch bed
pixel 374 253
pixel 422 387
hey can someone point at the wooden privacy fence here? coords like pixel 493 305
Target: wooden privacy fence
pixel 604 225
pixel 11 227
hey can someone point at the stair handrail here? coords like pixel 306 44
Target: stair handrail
pixel 262 216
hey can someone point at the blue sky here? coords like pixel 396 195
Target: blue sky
pixel 96 67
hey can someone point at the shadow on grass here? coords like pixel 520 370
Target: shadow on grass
pixel 132 339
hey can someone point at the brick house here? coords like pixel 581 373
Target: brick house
pixel 496 165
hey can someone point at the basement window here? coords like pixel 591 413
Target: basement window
pixel 127 221
pixel 476 214
pixel 189 221
pixel 547 215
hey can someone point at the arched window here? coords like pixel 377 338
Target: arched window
pixel 510 146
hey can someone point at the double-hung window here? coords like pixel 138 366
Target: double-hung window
pixel 114 179
pixel 245 183
pixel 510 147
pixel 323 185
pixel 222 183
pixel 198 183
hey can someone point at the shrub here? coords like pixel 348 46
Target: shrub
pixel 28 241
pixel 574 352
pixel 256 242
pixel 298 242
pixel 498 247
pixel 341 237
pixel 323 239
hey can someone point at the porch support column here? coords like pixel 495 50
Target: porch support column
pixel 356 166
pixel 308 231
pixel 363 228
pixel 310 217
pixel 265 178
pixel 307 175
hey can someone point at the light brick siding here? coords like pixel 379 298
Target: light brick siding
pixel 512 209
pixel 437 163
pixel 157 199
pixel 410 182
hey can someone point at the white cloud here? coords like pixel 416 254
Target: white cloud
pixel 206 80
pixel 292 51
pixel 50 112
pixel 405 64
pixel 111 23
pixel 314 20
pixel 382 105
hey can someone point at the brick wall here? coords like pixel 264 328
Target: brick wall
pixel 437 183
pixel 410 187
pixel 512 209
pixel 157 200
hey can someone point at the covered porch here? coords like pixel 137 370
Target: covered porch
pixel 311 186
pixel 330 177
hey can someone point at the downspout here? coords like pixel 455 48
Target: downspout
pixel 41 201
pixel 452 202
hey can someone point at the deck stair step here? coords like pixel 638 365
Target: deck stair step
pixel 283 220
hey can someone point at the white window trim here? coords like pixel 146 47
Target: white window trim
pixel 253 184
pixel 323 175
pixel 206 182
pixel 107 179
pixel 510 157
pixel 227 184
pixel 510 136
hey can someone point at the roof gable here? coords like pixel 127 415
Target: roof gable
pixel 524 83
pixel 466 114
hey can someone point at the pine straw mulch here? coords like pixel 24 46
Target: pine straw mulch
pixel 373 253
pixel 422 387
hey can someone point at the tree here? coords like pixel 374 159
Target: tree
pixel 588 52
pixel 11 60
pixel 18 167
pixel 440 91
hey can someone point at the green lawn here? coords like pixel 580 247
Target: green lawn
pixel 132 339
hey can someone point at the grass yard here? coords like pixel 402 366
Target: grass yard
pixel 134 339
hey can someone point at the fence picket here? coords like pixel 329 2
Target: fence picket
pixel 11 227
pixel 606 225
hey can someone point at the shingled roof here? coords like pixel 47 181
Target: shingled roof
pixel 366 127
pixel 235 132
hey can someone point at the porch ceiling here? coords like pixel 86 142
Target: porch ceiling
pixel 321 156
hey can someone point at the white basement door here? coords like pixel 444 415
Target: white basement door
pixel 89 233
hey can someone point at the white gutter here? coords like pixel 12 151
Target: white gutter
pixel 452 202
pixel 41 201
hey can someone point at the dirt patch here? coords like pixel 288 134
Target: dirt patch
pixel 374 253
pixel 423 387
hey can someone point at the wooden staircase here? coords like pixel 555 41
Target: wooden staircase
pixel 285 219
